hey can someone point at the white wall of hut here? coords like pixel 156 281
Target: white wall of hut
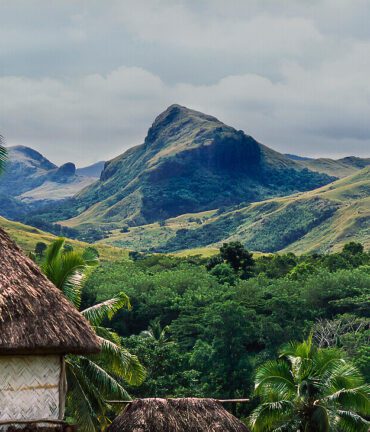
pixel 32 388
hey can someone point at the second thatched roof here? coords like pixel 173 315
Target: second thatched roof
pixel 176 415
pixel 35 317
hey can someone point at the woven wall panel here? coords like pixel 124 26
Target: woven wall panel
pixel 29 387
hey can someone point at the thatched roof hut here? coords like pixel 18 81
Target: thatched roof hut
pixel 35 317
pixel 176 415
pixel 38 325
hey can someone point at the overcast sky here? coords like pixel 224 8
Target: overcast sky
pixel 82 80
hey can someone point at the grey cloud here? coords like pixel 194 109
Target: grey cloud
pixel 83 81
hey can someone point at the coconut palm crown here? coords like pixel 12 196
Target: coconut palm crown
pixel 309 389
pixel 93 379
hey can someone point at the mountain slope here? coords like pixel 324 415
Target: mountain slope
pixel 319 220
pixel 93 170
pixel 334 167
pixel 189 162
pixel 316 221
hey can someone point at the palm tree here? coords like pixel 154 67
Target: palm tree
pixel 3 154
pixel 310 389
pixel 156 331
pixel 93 379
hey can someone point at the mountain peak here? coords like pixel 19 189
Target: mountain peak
pixel 33 156
pixel 177 118
pixel 176 110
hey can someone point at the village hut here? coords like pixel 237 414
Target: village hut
pixel 38 326
pixel 176 415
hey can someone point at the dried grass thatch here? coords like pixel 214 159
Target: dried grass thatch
pixel 35 317
pixel 176 415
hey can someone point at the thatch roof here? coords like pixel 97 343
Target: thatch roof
pixel 176 415
pixel 35 317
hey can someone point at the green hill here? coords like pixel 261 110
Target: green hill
pixel 27 236
pixel 320 220
pixel 189 162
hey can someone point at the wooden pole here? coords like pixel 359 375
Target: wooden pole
pixel 232 400
pixel 48 421
pixel 222 401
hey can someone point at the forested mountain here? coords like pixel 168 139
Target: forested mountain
pixel 189 162
pixel 320 220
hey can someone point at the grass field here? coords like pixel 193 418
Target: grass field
pixel 203 252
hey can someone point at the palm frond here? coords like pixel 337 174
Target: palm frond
pixel 67 270
pixel 121 362
pixel 304 349
pixel 90 257
pixel 54 249
pixel 327 358
pixel 105 383
pixel 72 288
pixel 147 334
pixel 78 402
pixel 108 334
pixel 276 376
pixel 343 375
pixel 301 367
pixel 96 314
pixel 272 415
pixel 356 399
pixel 348 421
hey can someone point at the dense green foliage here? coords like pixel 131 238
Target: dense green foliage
pixel 221 323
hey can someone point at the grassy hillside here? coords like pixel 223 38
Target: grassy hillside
pixel 27 237
pixel 320 220
pixel 338 168
pixel 155 235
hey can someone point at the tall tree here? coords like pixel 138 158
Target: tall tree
pixel 235 254
pixel 310 390
pixel 94 379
